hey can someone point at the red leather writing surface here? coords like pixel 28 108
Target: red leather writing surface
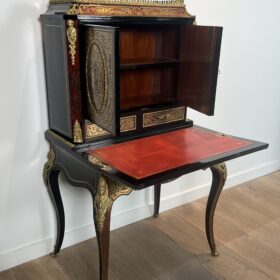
pixel 152 155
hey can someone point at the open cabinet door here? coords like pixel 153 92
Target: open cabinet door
pixel 101 55
pixel 198 69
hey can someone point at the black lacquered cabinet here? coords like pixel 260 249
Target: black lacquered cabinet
pixel 112 76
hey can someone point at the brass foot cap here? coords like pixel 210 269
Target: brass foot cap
pixel 156 215
pixel 215 254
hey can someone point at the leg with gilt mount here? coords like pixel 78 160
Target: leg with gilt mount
pixel 219 173
pixel 51 181
pixel 108 191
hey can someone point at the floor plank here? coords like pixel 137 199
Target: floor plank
pixel 258 254
pixel 174 247
pixel 231 266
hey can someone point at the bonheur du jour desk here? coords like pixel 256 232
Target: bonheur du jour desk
pixel 120 76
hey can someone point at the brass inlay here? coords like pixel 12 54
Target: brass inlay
pixel 97 78
pixel 163 117
pixel 72 39
pixel 108 190
pixel 126 10
pixel 93 130
pixel 164 3
pixel 100 76
pixel 77 132
pixel 49 165
pixel 128 123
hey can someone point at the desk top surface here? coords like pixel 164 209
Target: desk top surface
pixel 152 155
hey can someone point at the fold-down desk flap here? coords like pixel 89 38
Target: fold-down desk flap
pixel 152 155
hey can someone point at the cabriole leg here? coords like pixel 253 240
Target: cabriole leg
pixel 107 192
pixel 55 193
pixel 219 173
pixel 51 181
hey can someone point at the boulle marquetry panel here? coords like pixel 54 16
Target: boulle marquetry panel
pixel 100 76
pixel 128 123
pixel 164 117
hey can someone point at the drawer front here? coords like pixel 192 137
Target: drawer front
pixel 137 121
pixel 128 123
pixel 163 117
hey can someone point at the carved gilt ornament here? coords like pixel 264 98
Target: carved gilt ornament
pixel 77 131
pixel 72 37
pixel 49 165
pixel 108 191
pixel 93 130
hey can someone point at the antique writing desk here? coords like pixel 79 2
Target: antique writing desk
pixel 120 76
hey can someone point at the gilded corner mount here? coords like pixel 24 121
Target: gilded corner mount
pixel 221 168
pixel 49 165
pixel 93 130
pixel 108 191
pixel 102 203
pixel 118 189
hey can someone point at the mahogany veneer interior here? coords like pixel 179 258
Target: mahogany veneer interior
pixel 148 42
pixel 153 155
pixel 148 66
pixel 144 87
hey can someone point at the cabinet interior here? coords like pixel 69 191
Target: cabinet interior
pixel 149 59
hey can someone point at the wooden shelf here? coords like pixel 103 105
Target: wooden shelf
pixel 142 101
pixel 130 64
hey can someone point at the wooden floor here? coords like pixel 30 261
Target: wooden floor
pixel 174 247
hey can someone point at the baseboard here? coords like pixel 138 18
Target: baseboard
pixel 43 247
pixel 74 236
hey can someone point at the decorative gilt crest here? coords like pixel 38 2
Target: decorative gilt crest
pixel 78 135
pixel 72 39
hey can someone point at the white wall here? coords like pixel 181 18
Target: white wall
pixel 248 105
